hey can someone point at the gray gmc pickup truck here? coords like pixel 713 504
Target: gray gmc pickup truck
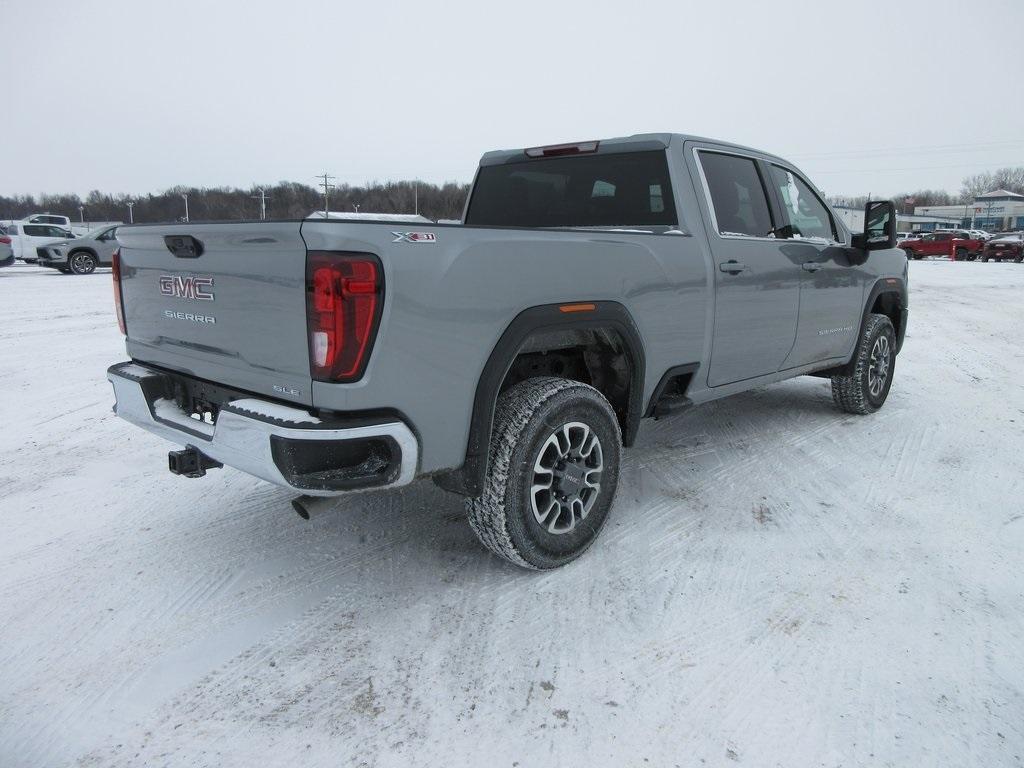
pixel 510 357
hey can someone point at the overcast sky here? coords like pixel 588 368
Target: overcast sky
pixel 137 96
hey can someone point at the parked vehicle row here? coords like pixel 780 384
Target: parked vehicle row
pixel 46 239
pixel 964 244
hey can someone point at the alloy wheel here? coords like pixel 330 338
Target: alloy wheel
pixel 82 263
pixel 566 477
pixel 878 369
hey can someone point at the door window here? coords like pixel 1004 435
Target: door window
pixel 36 230
pixel 803 210
pixel 738 196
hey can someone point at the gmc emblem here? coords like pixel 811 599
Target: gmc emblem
pixel 200 288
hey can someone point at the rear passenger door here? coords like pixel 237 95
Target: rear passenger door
pixel 831 287
pixel 757 283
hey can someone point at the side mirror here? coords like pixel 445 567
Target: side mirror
pixel 879 226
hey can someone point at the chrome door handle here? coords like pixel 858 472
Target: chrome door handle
pixel 732 267
pixel 812 266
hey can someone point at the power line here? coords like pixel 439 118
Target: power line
pixel 923 168
pixel 262 197
pixel 327 187
pixel 915 149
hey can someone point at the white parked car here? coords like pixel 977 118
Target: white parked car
pixel 46 218
pixel 25 238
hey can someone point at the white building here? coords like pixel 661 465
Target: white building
pixel 996 211
pixel 853 218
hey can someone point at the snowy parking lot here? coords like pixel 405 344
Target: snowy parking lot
pixel 779 583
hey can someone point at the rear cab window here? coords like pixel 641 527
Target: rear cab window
pixel 627 189
pixel 739 201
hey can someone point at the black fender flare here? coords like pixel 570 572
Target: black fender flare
pixel 606 315
pixel 889 285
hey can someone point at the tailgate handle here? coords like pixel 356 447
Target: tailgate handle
pixel 184 246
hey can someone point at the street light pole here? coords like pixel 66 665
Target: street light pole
pixel 185 198
pixel 131 214
pixel 81 214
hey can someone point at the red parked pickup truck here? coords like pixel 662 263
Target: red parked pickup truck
pixel 942 244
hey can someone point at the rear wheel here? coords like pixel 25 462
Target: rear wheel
pixel 82 262
pixel 865 389
pixel 1019 258
pixel 553 468
pixel 984 258
pixel 962 254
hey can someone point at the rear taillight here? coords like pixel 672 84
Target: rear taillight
pixel 5 240
pixel 343 301
pixel 115 263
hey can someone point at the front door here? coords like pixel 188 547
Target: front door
pixel 757 283
pixel 831 288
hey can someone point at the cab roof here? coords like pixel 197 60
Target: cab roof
pixel 638 142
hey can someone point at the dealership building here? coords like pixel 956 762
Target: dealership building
pixel 853 218
pixel 997 211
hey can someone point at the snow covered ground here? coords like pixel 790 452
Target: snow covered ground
pixel 779 584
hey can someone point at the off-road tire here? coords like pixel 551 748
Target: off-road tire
pixel 82 263
pixel 852 393
pixel 527 414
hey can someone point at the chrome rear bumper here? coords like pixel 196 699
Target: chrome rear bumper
pixel 281 444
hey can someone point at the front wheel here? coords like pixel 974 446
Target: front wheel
pixel 961 254
pixel 552 472
pixel 865 389
pixel 82 263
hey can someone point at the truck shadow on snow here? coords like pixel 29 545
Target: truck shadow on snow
pixel 423 530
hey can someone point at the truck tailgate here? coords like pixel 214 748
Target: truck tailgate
pixel 235 314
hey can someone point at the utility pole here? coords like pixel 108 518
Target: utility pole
pixel 185 198
pixel 416 197
pixel 327 187
pixel 262 197
pixel 131 214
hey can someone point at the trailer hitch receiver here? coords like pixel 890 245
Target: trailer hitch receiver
pixel 190 462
